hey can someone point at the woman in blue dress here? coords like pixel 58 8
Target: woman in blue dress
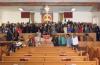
pixel 61 40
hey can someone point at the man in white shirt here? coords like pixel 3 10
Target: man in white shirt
pixel 75 41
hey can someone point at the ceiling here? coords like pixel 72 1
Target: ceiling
pixel 55 5
pixel 49 0
pixel 41 8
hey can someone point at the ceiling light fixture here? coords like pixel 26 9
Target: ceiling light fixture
pixel 73 9
pixel 46 9
pixel 20 9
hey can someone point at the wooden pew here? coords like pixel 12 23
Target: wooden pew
pixel 86 43
pixel 97 53
pixel 93 51
pixel 45 58
pixel 23 58
pixel 61 54
pixel 36 53
pixel 65 58
pixel 26 35
pixel 20 63
pixel 46 51
pixel 92 35
pixel 47 54
pixel 49 63
pixel 97 44
pixel 72 63
pixel 46 48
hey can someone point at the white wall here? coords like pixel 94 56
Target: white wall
pixel 13 17
pixel 37 17
pixel 81 17
pixel 55 17
pixel 96 17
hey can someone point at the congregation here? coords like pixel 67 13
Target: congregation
pixel 14 33
pixel 50 27
pixel 13 30
pixel 49 32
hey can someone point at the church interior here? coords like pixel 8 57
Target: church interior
pixel 49 32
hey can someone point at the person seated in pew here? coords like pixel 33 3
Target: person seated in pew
pixel 55 40
pixel 38 33
pixel 31 41
pixel 11 47
pixel 18 44
pixel 9 34
pixel 68 40
pixel 61 40
pixel 21 38
pixel 37 40
pixel 86 37
pixel 16 36
pixel 97 31
pixel 75 42
pixel 47 39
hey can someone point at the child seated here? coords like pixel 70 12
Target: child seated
pixel 37 40
pixel 75 42
pixel 31 41
pixel 18 44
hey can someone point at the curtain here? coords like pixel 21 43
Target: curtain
pixel 68 15
pixel 25 14
pixel 61 17
pixel 32 17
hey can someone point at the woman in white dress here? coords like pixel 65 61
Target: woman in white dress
pixel 38 38
pixel 75 42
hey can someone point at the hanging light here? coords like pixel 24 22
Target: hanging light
pixel 46 9
pixel 20 9
pixel 73 9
